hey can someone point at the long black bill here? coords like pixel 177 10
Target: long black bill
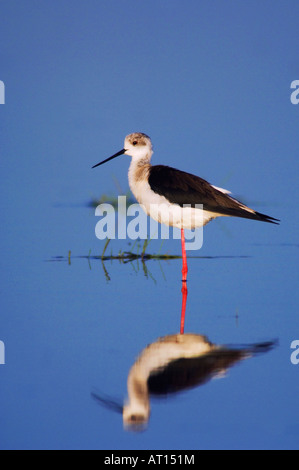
pixel 121 152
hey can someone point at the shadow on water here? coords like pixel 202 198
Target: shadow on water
pixel 172 364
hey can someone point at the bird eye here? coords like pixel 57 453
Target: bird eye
pixel 135 142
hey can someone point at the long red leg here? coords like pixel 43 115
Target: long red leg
pixel 184 302
pixel 184 282
pixel 185 267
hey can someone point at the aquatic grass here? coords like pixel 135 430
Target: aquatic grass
pixel 111 199
pixel 124 256
pixel 132 257
pixel 105 247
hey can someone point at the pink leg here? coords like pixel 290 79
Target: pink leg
pixel 184 302
pixel 185 267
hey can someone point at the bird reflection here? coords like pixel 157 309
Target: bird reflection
pixel 172 364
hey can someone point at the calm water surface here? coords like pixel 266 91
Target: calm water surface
pixel 74 327
pixel 77 331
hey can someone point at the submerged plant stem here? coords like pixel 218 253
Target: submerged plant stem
pixel 105 247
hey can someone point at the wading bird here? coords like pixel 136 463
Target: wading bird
pixel 177 198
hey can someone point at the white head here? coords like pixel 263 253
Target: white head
pixel 136 416
pixel 137 145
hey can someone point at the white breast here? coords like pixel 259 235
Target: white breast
pixel 159 208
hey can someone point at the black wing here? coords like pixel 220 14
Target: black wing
pixel 182 188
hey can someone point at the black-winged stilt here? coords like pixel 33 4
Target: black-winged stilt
pixel 171 196
pixel 173 364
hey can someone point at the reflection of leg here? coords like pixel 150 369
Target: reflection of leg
pixel 185 267
pixel 184 302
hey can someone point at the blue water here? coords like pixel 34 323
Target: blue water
pixel 69 332
pixel 212 89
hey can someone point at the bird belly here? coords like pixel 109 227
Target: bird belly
pixel 179 217
pixel 164 212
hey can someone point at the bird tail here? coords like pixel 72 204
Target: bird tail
pixel 266 218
